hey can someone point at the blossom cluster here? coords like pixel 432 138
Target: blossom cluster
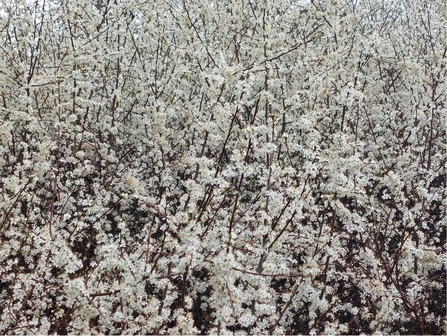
pixel 220 167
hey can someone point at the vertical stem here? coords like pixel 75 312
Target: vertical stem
pixel 165 292
pixel 326 266
pixel 185 275
pixel 230 228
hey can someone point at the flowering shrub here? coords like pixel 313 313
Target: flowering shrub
pixel 197 166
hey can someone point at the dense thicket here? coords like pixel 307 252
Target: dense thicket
pixel 204 166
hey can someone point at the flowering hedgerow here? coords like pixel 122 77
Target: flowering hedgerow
pixel 189 166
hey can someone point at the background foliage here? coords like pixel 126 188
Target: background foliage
pixel 192 166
